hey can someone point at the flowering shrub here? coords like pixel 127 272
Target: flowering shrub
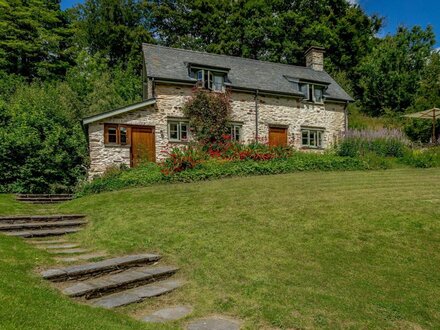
pixel 181 159
pixel 385 143
pixel 224 150
pixel 208 114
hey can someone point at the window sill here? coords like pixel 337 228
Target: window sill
pixel 313 103
pixel 178 142
pixel 311 148
pixel 115 145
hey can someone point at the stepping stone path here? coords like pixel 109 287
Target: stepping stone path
pixel 214 323
pixel 40 226
pixel 43 198
pixel 84 256
pixel 117 281
pixel 58 246
pixel 28 226
pixel 168 314
pixel 107 283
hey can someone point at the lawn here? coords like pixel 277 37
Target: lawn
pixel 304 250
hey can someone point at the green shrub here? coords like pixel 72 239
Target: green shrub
pixel 378 162
pixel 423 158
pixel 384 143
pixel 42 148
pixel 216 168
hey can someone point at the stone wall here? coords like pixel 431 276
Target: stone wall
pixel 272 110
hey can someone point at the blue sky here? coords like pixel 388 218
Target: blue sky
pixel 405 12
pixel 396 12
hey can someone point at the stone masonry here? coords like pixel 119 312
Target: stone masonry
pixel 272 110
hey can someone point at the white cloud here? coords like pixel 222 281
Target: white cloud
pixel 353 2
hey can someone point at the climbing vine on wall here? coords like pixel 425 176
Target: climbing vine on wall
pixel 208 113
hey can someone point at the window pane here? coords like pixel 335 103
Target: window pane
pixel 112 135
pixel 304 89
pixel 184 131
pixel 305 138
pixel 123 135
pixel 174 131
pixel 312 139
pixel 319 139
pixel 237 133
pixel 208 79
pixel 218 83
pixel 200 75
pixel 318 94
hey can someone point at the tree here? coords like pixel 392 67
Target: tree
pixel 390 75
pixel 271 30
pixel 42 148
pixel 115 29
pixel 99 87
pixel 427 97
pixel 34 38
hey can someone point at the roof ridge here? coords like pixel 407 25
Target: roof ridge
pixel 239 57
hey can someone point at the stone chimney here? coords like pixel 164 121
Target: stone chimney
pixel 315 58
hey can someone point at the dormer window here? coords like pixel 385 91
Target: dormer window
pixel 313 93
pixel 209 79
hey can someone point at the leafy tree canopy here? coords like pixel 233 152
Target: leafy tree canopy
pixel 427 97
pixel 391 73
pixel 34 38
pixel 114 28
pixel 272 30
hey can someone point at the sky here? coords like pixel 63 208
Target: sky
pixel 396 12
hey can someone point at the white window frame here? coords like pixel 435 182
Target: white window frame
pixel 209 83
pixel 233 131
pixel 309 95
pixel 318 134
pixel 179 130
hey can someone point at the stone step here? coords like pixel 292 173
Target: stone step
pixel 137 294
pixel 97 268
pixel 79 257
pixel 42 233
pixel 58 246
pixel 168 314
pixel 41 201
pixel 68 251
pixel 46 218
pixel 43 198
pixel 214 323
pixel 116 282
pixel 41 225
pixel 43 195
pixel 45 242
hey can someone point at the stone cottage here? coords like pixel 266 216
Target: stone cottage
pixel 281 104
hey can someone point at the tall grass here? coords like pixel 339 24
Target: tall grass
pixel 382 142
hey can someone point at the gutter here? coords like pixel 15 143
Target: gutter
pixel 233 88
pixel 256 115
pixel 153 88
pixel 346 116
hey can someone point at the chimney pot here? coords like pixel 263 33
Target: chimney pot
pixel 315 58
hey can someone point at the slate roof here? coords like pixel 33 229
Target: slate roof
pixel 118 111
pixel 172 64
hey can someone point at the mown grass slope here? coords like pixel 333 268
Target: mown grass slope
pixel 305 250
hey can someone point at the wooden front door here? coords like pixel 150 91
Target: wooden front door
pixel 143 147
pixel 277 136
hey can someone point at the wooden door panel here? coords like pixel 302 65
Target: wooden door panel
pixel 277 136
pixel 142 145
